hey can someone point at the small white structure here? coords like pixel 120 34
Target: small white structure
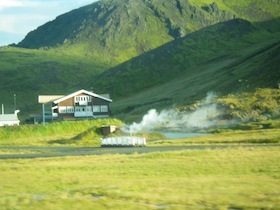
pixel 123 141
pixel 9 119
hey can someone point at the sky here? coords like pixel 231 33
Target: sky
pixel 18 17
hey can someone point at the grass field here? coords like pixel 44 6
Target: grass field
pixel 236 178
pixel 227 170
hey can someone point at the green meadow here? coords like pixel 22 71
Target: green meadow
pixel 147 55
pixel 238 178
pixel 229 169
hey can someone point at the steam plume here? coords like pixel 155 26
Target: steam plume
pixel 205 116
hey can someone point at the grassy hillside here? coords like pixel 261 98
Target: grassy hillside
pixel 201 52
pixel 256 10
pixel 87 132
pixel 238 58
pixel 28 73
pixel 120 30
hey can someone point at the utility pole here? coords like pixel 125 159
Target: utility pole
pixel 15 102
pixel 44 116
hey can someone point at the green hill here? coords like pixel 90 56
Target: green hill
pixel 179 50
pixel 225 58
pixel 28 73
pixel 120 29
pixel 115 31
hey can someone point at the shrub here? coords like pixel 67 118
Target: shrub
pixel 259 105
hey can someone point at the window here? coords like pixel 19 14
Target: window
pixel 70 109
pixel 77 109
pixel 96 108
pixel 104 108
pixel 62 109
pixel 82 98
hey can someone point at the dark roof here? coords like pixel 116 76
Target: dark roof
pixel 79 92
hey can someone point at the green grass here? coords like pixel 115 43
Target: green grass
pixel 259 105
pixel 29 73
pixel 231 137
pixel 262 9
pixel 240 178
pixel 86 132
pixel 61 165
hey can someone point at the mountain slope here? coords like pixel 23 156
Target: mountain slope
pixel 213 44
pixel 122 29
pixel 67 54
pixel 224 58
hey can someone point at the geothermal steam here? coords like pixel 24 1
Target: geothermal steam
pixel 205 116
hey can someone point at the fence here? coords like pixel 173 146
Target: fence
pixel 123 141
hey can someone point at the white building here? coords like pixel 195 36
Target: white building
pixel 9 119
pixel 77 105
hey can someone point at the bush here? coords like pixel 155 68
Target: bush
pixel 260 105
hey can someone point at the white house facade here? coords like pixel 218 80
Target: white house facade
pixel 77 105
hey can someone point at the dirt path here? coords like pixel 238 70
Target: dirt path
pixel 17 152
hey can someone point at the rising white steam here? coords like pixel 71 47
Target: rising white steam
pixel 205 116
pixel 153 120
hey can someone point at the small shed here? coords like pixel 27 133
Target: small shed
pixel 107 129
pixel 9 119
